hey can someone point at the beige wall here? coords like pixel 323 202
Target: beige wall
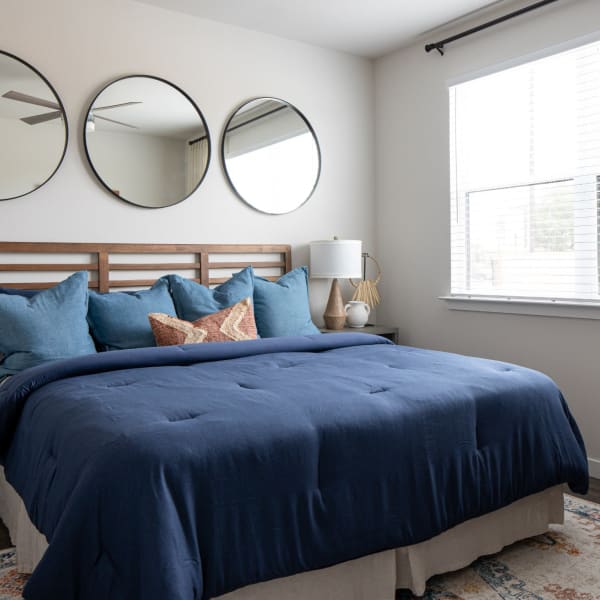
pixel 80 45
pixel 20 169
pixel 154 171
pixel 412 179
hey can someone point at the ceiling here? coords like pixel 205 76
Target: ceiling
pixel 160 109
pixel 366 28
pixel 15 76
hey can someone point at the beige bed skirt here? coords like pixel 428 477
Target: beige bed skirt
pixel 373 577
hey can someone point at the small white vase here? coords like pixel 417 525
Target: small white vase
pixel 357 313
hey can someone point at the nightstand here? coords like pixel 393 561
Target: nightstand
pixel 391 333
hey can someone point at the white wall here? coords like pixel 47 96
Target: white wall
pixel 143 168
pixel 80 45
pixel 412 175
pixel 29 154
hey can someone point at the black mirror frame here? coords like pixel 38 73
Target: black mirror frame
pixel 200 114
pixel 224 165
pixel 64 117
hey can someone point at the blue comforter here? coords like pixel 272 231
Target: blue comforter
pixel 185 472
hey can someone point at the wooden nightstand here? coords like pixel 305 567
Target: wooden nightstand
pixel 391 333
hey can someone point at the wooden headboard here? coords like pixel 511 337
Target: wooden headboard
pixel 205 263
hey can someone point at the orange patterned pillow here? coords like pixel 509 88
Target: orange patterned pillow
pixel 230 324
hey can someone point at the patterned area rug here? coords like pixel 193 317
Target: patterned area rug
pixel 11 582
pixel 563 564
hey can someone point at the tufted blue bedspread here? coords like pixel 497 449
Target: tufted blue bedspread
pixel 185 472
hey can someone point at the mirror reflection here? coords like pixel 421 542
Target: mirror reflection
pixel 33 128
pixel 147 141
pixel 271 155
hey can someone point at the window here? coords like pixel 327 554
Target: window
pixel 525 173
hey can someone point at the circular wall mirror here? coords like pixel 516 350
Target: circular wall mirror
pixel 33 128
pixel 271 155
pixel 147 141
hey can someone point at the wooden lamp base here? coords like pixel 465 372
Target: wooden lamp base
pixel 335 315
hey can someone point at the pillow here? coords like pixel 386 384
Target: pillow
pixel 230 324
pixel 281 307
pixel 15 292
pixel 18 292
pixel 193 300
pixel 49 326
pixel 119 320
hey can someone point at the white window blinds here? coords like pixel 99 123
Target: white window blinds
pixel 525 173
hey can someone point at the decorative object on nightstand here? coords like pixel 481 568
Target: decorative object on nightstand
pixel 357 313
pixel 366 290
pixel 334 259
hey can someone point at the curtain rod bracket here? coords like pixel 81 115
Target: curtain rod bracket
pixel 439 46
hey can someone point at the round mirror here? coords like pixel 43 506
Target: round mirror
pixel 33 128
pixel 271 155
pixel 147 141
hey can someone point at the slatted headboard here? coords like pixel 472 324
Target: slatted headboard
pixel 122 265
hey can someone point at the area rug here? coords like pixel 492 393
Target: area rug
pixel 563 564
pixel 11 582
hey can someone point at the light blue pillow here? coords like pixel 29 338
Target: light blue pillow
pixel 18 292
pixel 51 325
pixel 281 307
pixel 119 320
pixel 194 301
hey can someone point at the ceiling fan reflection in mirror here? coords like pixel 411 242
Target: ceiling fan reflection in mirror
pixel 90 123
pixel 36 119
pixel 55 114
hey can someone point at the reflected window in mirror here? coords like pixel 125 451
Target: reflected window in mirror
pixel 33 128
pixel 271 155
pixel 147 141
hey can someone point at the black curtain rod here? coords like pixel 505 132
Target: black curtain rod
pixel 439 46
pixel 197 140
pixel 268 113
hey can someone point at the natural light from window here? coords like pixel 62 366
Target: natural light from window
pixel 525 166
pixel 277 176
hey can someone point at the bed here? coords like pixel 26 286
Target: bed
pixel 326 466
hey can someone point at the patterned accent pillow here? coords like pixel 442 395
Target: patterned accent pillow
pixel 234 323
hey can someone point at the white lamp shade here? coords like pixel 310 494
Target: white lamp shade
pixel 334 259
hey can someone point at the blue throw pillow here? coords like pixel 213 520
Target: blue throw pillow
pixel 194 301
pixel 18 292
pixel 119 320
pixel 50 325
pixel 281 307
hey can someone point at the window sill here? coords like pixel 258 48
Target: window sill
pixel 544 308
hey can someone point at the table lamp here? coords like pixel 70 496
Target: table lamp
pixel 335 259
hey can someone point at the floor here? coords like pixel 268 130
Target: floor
pixel 593 495
pixel 4 539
